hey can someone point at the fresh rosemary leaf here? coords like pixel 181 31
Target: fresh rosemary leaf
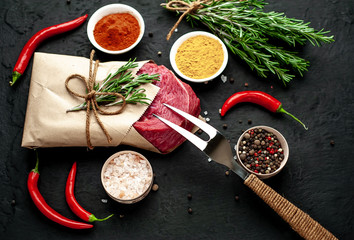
pixel 247 30
pixel 124 83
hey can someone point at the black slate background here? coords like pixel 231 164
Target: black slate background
pixel 318 177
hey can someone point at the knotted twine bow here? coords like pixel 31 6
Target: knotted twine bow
pixel 90 99
pixel 184 7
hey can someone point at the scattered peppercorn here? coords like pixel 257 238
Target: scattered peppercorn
pixel 189 196
pixel 68 1
pixel 155 187
pixel 224 126
pixel 249 121
pixel 121 216
pixel 190 211
pixel 151 34
pixel 13 202
pixel 232 80
pixel 239 121
pixel 246 84
pixel 227 173
pixel 237 198
pixel 159 53
pixel 332 142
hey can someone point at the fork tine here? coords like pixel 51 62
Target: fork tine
pixel 211 131
pixel 198 142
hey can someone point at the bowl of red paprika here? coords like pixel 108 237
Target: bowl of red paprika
pixel 115 28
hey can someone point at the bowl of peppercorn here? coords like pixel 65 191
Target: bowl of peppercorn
pixel 115 28
pixel 262 151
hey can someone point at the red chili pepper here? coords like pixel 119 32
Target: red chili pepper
pixel 73 204
pixel 261 98
pixel 36 39
pixel 45 208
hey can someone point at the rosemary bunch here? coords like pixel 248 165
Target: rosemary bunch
pixel 122 82
pixel 247 30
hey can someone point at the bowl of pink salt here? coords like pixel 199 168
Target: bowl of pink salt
pixel 127 177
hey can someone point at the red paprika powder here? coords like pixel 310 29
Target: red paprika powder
pixel 117 31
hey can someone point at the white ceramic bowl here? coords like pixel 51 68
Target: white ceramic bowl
pixel 146 186
pixel 183 38
pixel 111 9
pixel 284 146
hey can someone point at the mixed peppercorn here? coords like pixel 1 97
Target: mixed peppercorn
pixel 260 151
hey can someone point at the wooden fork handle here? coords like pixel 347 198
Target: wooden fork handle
pixel 300 221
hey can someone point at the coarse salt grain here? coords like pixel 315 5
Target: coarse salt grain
pixel 127 176
pixel 223 78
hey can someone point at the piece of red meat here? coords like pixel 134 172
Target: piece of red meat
pixel 175 93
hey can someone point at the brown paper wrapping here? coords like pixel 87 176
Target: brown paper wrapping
pixel 47 122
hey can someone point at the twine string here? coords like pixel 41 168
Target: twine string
pixel 91 102
pixel 186 8
pixel 300 221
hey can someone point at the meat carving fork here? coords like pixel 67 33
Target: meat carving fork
pixel 219 150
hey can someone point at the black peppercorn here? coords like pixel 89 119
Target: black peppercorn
pixel 155 187
pixel 190 211
pixel 189 196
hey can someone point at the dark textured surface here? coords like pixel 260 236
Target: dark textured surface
pixel 318 177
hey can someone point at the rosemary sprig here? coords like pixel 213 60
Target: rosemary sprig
pixel 123 82
pixel 247 30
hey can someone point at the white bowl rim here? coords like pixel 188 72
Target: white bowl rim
pixel 183 38
pixel 284 145
pixel 110 9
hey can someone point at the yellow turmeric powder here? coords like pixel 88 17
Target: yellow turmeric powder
pixel 199 57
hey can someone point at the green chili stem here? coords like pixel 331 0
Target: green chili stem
pixel 282 110
pixel 93 218
pixel 15 75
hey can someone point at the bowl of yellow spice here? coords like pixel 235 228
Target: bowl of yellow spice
pixel 198 56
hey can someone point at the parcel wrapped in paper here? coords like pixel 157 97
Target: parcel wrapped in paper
pixel 49 124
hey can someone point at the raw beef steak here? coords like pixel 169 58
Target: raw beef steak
pixel 175 93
